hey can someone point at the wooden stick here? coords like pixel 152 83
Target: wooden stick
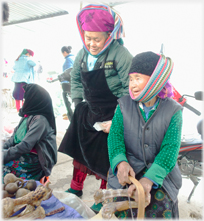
pixel 56 211
pixel 141 197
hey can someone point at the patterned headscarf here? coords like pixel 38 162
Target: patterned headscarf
pixel 106 23
pixel 159 77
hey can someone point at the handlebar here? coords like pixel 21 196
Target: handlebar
pixel 182 100
pixel 192 109
pixel 65 76
pixel 51 81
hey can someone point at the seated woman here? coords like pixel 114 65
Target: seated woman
pixel 145 136
pixel 31 152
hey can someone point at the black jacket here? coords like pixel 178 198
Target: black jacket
pixel 39 135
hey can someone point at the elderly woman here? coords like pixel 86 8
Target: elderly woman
pixel 31 152
pixel 145 136
pixel 100 77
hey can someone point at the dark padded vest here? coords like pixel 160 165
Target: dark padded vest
pixel 143 140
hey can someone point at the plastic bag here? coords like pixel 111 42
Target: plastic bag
pixel 74 202
pixel 98 125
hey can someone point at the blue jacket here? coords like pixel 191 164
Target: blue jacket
pixel 23 70
pixel 69 61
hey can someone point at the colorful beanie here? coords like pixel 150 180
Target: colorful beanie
pixel 106 20
pixel 158 67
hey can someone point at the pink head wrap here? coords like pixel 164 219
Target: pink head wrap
pixel 100 18
pixel 96 20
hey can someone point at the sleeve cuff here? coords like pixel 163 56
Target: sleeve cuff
pixel 116 160
pixel 156 174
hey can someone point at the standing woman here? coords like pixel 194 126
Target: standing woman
pixel 100 77
pixel 31 152
pixel 23 74
pixel 69 58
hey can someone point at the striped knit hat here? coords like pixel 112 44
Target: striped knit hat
pixel 117 29
pixel 158 67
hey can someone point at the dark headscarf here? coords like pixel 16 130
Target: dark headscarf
pixel 38 102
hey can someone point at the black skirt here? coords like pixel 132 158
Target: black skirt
pixel 86 145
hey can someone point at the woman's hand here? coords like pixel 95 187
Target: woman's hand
pixel 147 185
pixel 107 126
pixel 124 170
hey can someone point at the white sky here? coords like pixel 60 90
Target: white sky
pixel 148 24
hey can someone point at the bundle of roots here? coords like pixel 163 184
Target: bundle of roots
pixel 30 202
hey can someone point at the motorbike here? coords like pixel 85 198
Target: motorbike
pixel 190 154
pixel 65 80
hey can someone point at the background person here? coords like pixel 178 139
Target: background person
pixel 23 74
pixel 65 79
pixel 145 137
pixel 69 57
pixel 100 76
pixel 31 152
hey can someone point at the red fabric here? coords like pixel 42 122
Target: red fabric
pixel 33 151
pixel 77 182
pixel 84 169
pixel 79 175
pixel 103 184
pixel 18 105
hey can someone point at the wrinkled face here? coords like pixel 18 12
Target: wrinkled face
pixel 137 82
pixel 95 41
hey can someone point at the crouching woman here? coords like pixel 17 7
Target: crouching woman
pixel 31 152
pixel 145 136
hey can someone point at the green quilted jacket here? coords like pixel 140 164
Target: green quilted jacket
pixel 117 66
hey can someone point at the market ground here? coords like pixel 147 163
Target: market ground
pixel 62 174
